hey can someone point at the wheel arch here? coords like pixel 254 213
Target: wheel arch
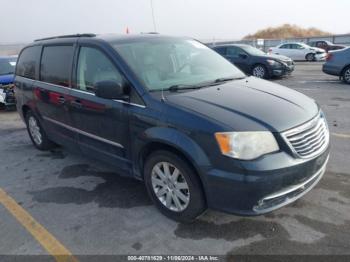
pixel 161 138
pixel 345 68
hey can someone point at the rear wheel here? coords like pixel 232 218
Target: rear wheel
pixel 346 75
pixel 310 57
pixel 37 133
pixel 260 71
pixel 173 186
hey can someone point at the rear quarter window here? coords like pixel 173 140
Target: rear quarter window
pixel 56 64
pixel 27 62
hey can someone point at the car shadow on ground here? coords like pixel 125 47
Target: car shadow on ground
pixel 115 191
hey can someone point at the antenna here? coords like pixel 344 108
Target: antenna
pixel 153 19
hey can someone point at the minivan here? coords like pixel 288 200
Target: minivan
pixel 175 114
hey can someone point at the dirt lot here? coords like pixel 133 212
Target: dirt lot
pixel 91 210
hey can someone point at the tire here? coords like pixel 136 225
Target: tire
pixel 37 133
pixel 187 183
pixel 260 71
pixel 310 57
pixel 346 75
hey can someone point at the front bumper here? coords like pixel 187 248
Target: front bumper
pixel 331 69
pixel 282 71
pixel 267 184
pixel 7 96
pixel 320 57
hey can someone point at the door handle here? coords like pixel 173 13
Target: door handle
pixel 77 103
pixel 61 100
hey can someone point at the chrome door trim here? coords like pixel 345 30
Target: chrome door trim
pixel 83 132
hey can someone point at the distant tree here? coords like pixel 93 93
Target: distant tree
pixel 286 31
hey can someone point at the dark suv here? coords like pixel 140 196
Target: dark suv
pixel 177 115
pixel 253 61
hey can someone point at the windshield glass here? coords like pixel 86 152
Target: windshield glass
pixel 164 62
pixel 252 50
pixel 7 66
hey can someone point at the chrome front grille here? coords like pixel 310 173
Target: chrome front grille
pixel 310 139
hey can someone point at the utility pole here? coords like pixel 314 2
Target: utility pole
pixel 154 20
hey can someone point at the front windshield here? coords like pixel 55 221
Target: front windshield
pixel 7 66
pixel 161 63
pixel 252 50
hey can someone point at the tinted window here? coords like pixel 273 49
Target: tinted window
pixel 232 51
pixel 27 61
pixel 297 46
pixel 220 50
pixel 94 66
pixel 56 64
pixel 286 46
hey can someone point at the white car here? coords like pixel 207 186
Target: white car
pixel 299 51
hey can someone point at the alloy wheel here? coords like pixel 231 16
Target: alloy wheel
pixel 310 57
pixel 34 130
pixel 259 72
pixel 170 186
pixel 347 75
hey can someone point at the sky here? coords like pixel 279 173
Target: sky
pixel 25 20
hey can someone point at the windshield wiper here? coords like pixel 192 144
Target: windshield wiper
pixel 175 88
pixel 226 79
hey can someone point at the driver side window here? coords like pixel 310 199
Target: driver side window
pixel 94 66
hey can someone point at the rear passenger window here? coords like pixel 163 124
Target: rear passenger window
pixel 26 65
pixel 56 63
pixel 286 46
pixel 94 66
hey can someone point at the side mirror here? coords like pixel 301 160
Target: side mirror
pixel 110 90
pixel 243 56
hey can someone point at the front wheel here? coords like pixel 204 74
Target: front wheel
pixel 37 133
pixel 346 75
pixel 310 57
pixel 260 71
pixel 174 187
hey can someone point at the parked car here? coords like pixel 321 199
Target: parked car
pixel 255 62
pixel 172 112
pixel 326 45
pixel 299 51
pixel 338 64
pixel 7 70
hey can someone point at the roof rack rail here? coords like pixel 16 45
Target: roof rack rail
pixel 65 36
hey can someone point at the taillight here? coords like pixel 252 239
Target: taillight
pixel 329 56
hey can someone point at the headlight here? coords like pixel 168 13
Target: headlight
pixel 273 62
pixel 246 145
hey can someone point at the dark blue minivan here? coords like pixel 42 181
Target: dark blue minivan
pixel 174 113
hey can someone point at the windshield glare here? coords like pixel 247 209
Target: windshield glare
pixel 161 63
pixel 7 66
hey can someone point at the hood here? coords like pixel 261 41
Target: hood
pixel 250 104
pixel 6 79
pixel 276 57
